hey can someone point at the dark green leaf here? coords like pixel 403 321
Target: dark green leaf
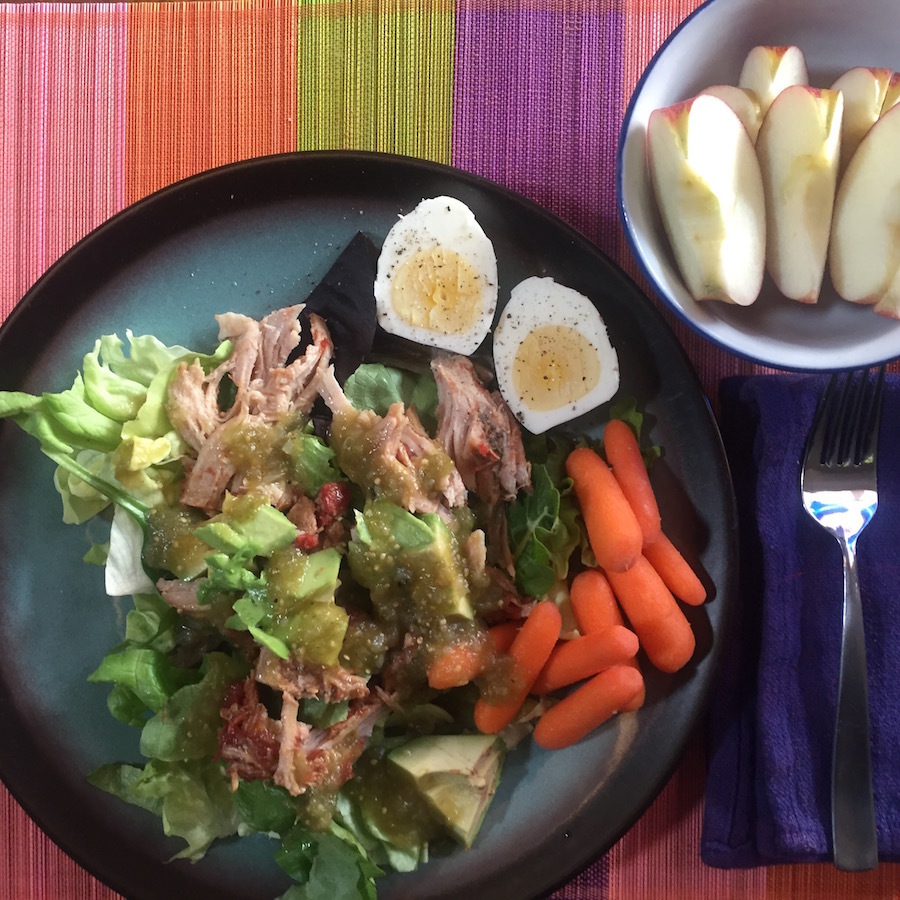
pixel 265 807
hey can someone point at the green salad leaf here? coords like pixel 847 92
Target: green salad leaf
pixel 194 799
pixel 376 386
pixel 149 674
pixel 187 726
pixel 312 461
pixel 118 399
pixel 265 807
pixel 543 533
pixel 326 865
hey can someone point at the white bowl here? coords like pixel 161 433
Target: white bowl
pixel 709 48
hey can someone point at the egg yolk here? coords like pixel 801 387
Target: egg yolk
pixel 554 366
pixel 437 289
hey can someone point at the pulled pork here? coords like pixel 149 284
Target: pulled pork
pixel 479 432
pixel 392 455
pixel 323 757
pixel 249 739
pixel 267 389
pixel 290 676
pixel 254 746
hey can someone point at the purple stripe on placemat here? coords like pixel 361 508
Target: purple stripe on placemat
pixel 537 106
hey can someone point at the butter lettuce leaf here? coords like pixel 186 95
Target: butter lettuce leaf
pixel 116 399
pixel 187 726
pixel 194 799
pixel 376 386
pixel 312 461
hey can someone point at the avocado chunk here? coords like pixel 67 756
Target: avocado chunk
pixel 247 526
pixel 301 587
pixel 412 566
pixel 457 775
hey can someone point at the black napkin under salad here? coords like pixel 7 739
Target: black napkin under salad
pixel 773 706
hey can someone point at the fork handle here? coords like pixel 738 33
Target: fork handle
pixel 853 808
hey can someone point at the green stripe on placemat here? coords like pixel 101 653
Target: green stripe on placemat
pixel 376 76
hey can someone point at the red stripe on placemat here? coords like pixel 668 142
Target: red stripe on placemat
pixel 62 142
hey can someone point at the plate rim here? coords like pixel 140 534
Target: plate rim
pixel 349 157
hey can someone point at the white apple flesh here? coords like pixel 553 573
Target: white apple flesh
pixel 708 188
pixel 799 148
pixel 864 89
pixel 744 103
pixel 864 252
pixel 892 94
pixel 767 71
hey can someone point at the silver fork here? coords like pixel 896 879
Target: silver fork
pixel 839 488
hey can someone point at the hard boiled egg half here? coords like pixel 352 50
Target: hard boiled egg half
pixel 436 281
pixel 552 355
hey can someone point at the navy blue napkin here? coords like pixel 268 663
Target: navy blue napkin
pixel 773 706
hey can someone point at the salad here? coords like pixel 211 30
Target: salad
pixel 333 552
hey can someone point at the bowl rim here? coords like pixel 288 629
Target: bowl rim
pixel 752 352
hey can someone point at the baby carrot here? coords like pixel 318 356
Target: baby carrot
pixel 624 456
pixel 532 646
pixel 585 656
pixel 612 527
pixel 596 608
pixel 454 665
pixel 654 614
pixel 593 602
pixel 675 570
pixel 587 707
pixel 503 635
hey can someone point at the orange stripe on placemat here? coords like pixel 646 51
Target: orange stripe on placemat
pixel 61 140
pixel 812 882
pixel 208 84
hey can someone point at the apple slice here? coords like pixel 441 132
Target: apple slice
pixel 799 147
pixel 767 71
pixel 708 187
pixel 864 251
pixel 864 89
pixel 744 103
pixel 892 95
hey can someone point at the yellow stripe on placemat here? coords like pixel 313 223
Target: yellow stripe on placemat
pixel 376 75
pixel 208 84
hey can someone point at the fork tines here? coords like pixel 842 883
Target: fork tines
pixel 850 407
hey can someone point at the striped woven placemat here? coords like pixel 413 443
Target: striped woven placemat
pixel 104 103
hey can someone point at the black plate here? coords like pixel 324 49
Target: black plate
pixel 252 237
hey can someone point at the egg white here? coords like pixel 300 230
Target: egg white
pixel 443 229
pixel 552 355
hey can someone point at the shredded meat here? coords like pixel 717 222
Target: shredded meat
pixel 182 595
pixel 267 388
pixel 510 603
pixel 392 455
pixel 329 683
pixel 290 773
pixel 249 740
pixel 254 746
pixel 479 432
pixel 323 757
